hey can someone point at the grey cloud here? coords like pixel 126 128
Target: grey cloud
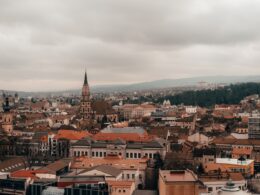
pixel 125 41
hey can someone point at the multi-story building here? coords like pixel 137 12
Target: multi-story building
pixel 126 150
pixel 135 111
pixel 241 165
pixel 182 182
pixel 113 168
pixel 254 127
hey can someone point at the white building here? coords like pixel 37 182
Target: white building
pixel 191 109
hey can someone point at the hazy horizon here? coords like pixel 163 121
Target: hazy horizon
pixel 101 86
pixel 46 45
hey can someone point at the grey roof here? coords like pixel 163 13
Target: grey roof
pixel 107 169
pixel 153 144
pixel 82 178
pixel 57 165
pixel 135 145
pixel 98 144
pixel 139 130
pixel 139 145
pixel 83 142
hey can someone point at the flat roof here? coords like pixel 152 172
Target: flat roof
pixel 233 161
pixel 178 176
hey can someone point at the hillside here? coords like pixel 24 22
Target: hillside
pixel 232 94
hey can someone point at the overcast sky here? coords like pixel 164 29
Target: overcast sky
pixel 46 45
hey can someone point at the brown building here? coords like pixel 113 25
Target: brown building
pixel 183 182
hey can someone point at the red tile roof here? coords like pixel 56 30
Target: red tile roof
pixel 72 134
pixel 124 136
pixel 242 151
pixel 126 184
pixel 27 173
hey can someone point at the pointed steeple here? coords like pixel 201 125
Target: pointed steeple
pixel 86 79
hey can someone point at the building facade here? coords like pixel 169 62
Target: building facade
pixel 131 150
pixel 254 128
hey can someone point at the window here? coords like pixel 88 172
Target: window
pixel 131 155
pixel 128 176
pixel 139 155
pixel 150 155
pixel 127 155
pixel 105 154
pixel 100 154
pixel 123 191
pixel 96 154
pixel 93 153
pixel 86 153
pixel 133 176
pixel 135 155
pixel 210 189
pixel 75 153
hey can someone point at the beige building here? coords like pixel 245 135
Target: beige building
pixel 199 138
pixel 178 183
pixel 121 187
pixel 128 170
pixel 135 111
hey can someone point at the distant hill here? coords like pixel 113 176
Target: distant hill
pixel 166 83
pixel 231 94
pixel 158 84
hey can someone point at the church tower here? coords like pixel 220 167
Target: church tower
pixel 7 118
pixel 85 106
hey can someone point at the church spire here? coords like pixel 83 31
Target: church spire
pixel 86 78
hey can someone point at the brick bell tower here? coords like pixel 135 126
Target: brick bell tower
pixel 85 105
pixel 7 118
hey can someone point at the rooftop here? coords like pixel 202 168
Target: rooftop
pixel 138 130
pixel 115 161
pixel 27 173
pixel 72 134
pixel 178 176
pixel 121 184
pixel 223 177
pixel 233 161
pixel 107 169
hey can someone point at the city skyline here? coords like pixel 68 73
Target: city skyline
pixel 124 42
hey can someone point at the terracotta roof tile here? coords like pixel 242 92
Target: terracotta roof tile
pixel 72 134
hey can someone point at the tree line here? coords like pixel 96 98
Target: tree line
pixel 231 94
